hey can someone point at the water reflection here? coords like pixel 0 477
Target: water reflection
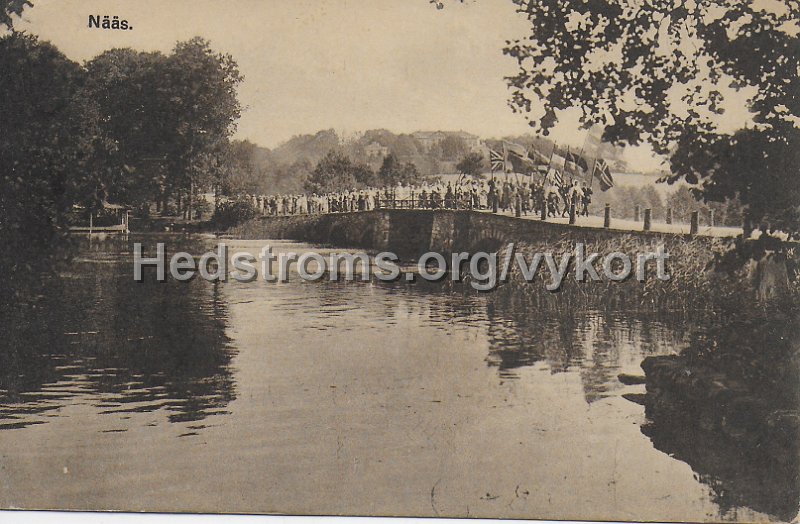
pixel 131 347
pixel 596 344
pixel 733 413
pixel 764 477
pixel 448 376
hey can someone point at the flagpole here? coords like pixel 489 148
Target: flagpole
pixel 550 160
pixel 505 162
pixel 585 139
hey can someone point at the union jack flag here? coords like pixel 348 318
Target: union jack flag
pixel 497 160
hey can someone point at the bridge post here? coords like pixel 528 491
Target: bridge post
pixel 694 227
pixel 607 216
pixel 711 221
pixel 572 213
pixel 669 215
pixel 648 219
pixel 747 227
pixel 637 212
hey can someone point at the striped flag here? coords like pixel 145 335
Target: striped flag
pixel 603 173
pixel 496 160
pixel 555 177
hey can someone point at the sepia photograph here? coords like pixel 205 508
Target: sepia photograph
pixel 494 259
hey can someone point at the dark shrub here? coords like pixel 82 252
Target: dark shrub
pixel 232 213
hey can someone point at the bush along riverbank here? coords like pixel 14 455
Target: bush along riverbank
pixel 729 404
pixel 706 275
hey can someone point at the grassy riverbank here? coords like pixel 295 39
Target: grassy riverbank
pixel 702 276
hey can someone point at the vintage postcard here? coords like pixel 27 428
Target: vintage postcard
pixel 530 259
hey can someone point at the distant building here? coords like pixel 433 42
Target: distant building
pixel 375 150
pixel 429 139
pixel 473 142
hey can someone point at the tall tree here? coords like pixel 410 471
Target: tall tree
pixel 48 141
pixel 471 165
pixel 202 112
pixel 127 88
pixel 658 72
pixel 335 172
pixel 393 171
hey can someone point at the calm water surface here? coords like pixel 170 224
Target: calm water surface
pixel 358 398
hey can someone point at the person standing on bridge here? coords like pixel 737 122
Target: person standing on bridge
pixel 574 196
pixel 587 199
pixel 505 198
pixel 448 197
pixel 524 197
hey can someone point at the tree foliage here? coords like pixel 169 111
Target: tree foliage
pixel 453 147
pixel 169 118
pixel 393 172
pixel 128 88
pixel 128 127
pixel 202 111
pixel 659 72
pixel 48 142
pixel 472 164
pixel 11 8
pixel 336 172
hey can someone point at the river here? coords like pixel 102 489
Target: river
pixel 341 398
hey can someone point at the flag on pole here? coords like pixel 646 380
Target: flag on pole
pixel 517 157
pixel 496 160
pixel 525 161
pixel 603 173
pixel 540 161
pixel 576 164
pixel 515 150
pixel 555 177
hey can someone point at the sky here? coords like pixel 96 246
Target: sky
pixel 351 65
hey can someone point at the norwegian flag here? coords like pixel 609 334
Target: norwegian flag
pixel 603 173
pixel 497 160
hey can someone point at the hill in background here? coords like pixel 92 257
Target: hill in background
pixel 285 168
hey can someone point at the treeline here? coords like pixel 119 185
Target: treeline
pixel 286 168
pixel 334 172
pixel 683 202
pixel 136 128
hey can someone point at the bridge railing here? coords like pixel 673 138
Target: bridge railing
pixel 419 203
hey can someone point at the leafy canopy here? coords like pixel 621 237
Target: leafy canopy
pixel 662 72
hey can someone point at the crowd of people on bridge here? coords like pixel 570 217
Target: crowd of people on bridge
pixel 552 196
